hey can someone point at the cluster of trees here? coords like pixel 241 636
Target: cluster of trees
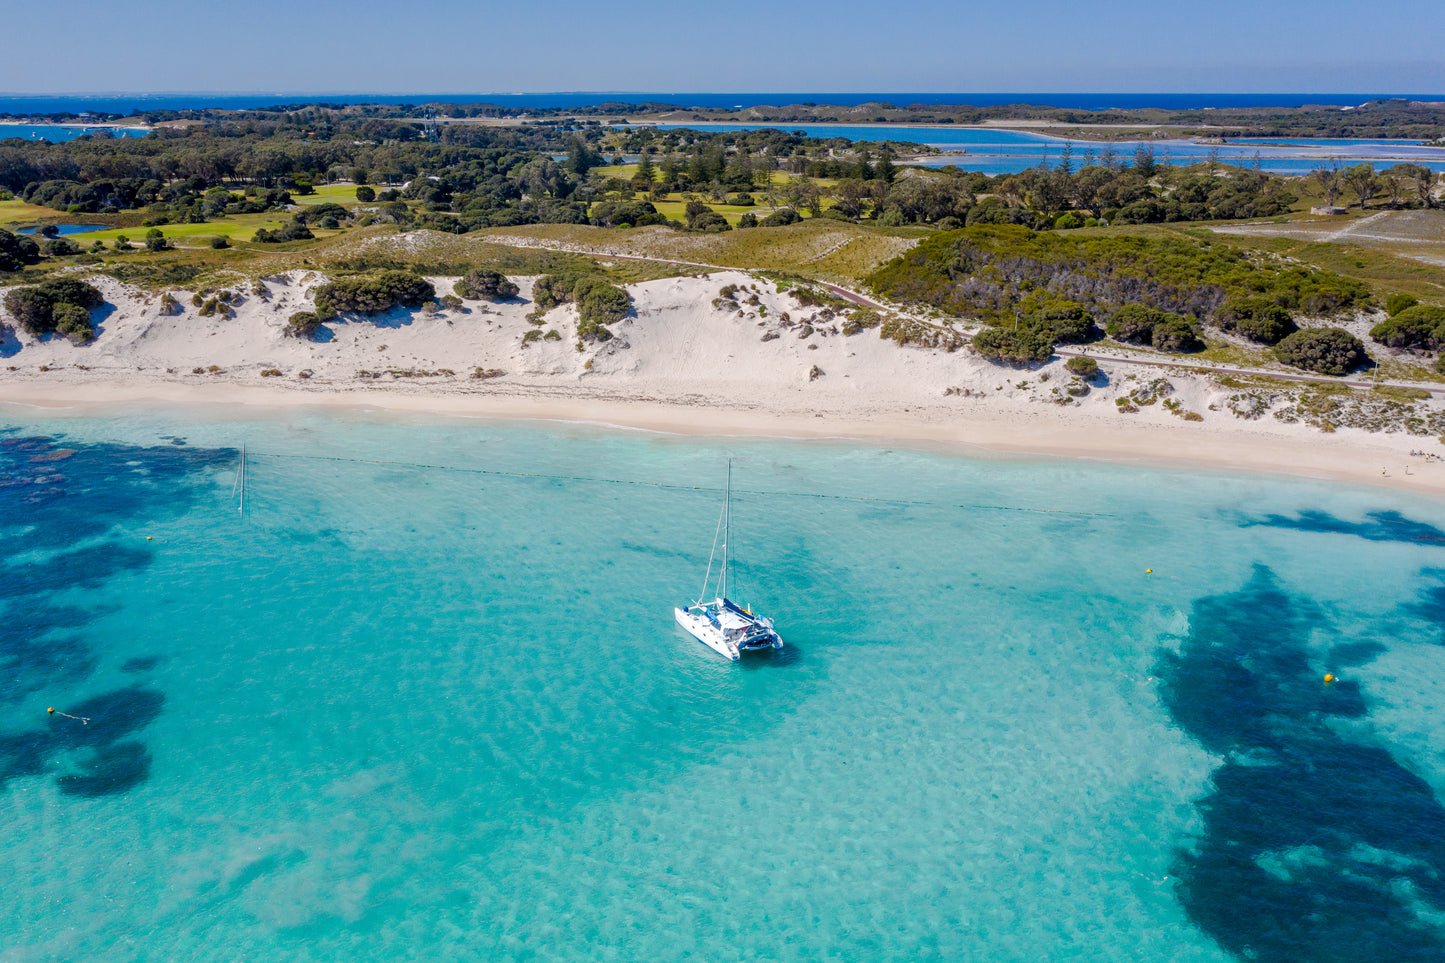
pixel 59 305
pixel 16 251
pixel 483 176
pixel 189 201
pixel 866 185
pixel 1403 185
pixel 1037 290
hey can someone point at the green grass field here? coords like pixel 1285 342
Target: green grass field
pixel 344 194
pixel 17 212
pixel 239 227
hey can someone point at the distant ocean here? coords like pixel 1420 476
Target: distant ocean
pixel 26 104
pixel 425 699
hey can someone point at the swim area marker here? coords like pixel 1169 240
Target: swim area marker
pixel 80 719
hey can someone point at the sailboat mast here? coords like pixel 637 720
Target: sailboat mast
pixel 727 527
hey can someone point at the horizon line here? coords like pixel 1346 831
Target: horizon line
pixel 709 93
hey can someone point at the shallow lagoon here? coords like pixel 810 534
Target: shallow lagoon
pixel 1010 151
pixel 425 697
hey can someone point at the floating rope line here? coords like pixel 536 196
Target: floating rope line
pixel 80 719
pixel 596 480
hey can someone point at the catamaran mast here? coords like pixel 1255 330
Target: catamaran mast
pixel 727 528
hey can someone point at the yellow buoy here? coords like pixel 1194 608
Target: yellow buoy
pixel 1148 571
pixel 1329 677
pixel 148 538
pixel 51 710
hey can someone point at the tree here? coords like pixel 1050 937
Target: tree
pixel 365 194
pixel 885 170
pixel 645 175
pixel 849 195
pixel 1144 164
pixel 1328 178
pixel 1363 182
pixel 580 158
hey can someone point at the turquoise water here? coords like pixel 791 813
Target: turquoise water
pixel 425 698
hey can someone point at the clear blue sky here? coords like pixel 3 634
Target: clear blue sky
pixel 464 46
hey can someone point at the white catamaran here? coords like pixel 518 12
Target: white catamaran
pixel 722 625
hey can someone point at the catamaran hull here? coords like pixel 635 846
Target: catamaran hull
pixel 700 628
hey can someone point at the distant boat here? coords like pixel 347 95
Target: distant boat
pixel 722 625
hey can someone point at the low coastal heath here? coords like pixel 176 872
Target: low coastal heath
pixel 425 695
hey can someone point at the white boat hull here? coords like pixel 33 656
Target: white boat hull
pixel 712 635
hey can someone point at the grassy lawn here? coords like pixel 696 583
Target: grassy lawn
pixel 18 212
pixel 344 194
pixel 238 227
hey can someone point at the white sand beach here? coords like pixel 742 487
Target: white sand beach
pixel 680 363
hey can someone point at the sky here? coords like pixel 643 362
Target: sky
pixel 745 46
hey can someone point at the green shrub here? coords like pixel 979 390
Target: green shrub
pixel 1177 334
pixel 1330 351
pixel 73 321
pixel 303 324
pixel 35 307
pixel 1396 303
pixel 1067 322
pixel 1174 333
pixel 1256 318
pixel 1134 324
pixel 373 293
pixel 484 284
pixel 598 302
pixel 219 243
pixel 1420 327
pixel 365 194
pixel 1085 368
pixel 1026 344
pixel 782 218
